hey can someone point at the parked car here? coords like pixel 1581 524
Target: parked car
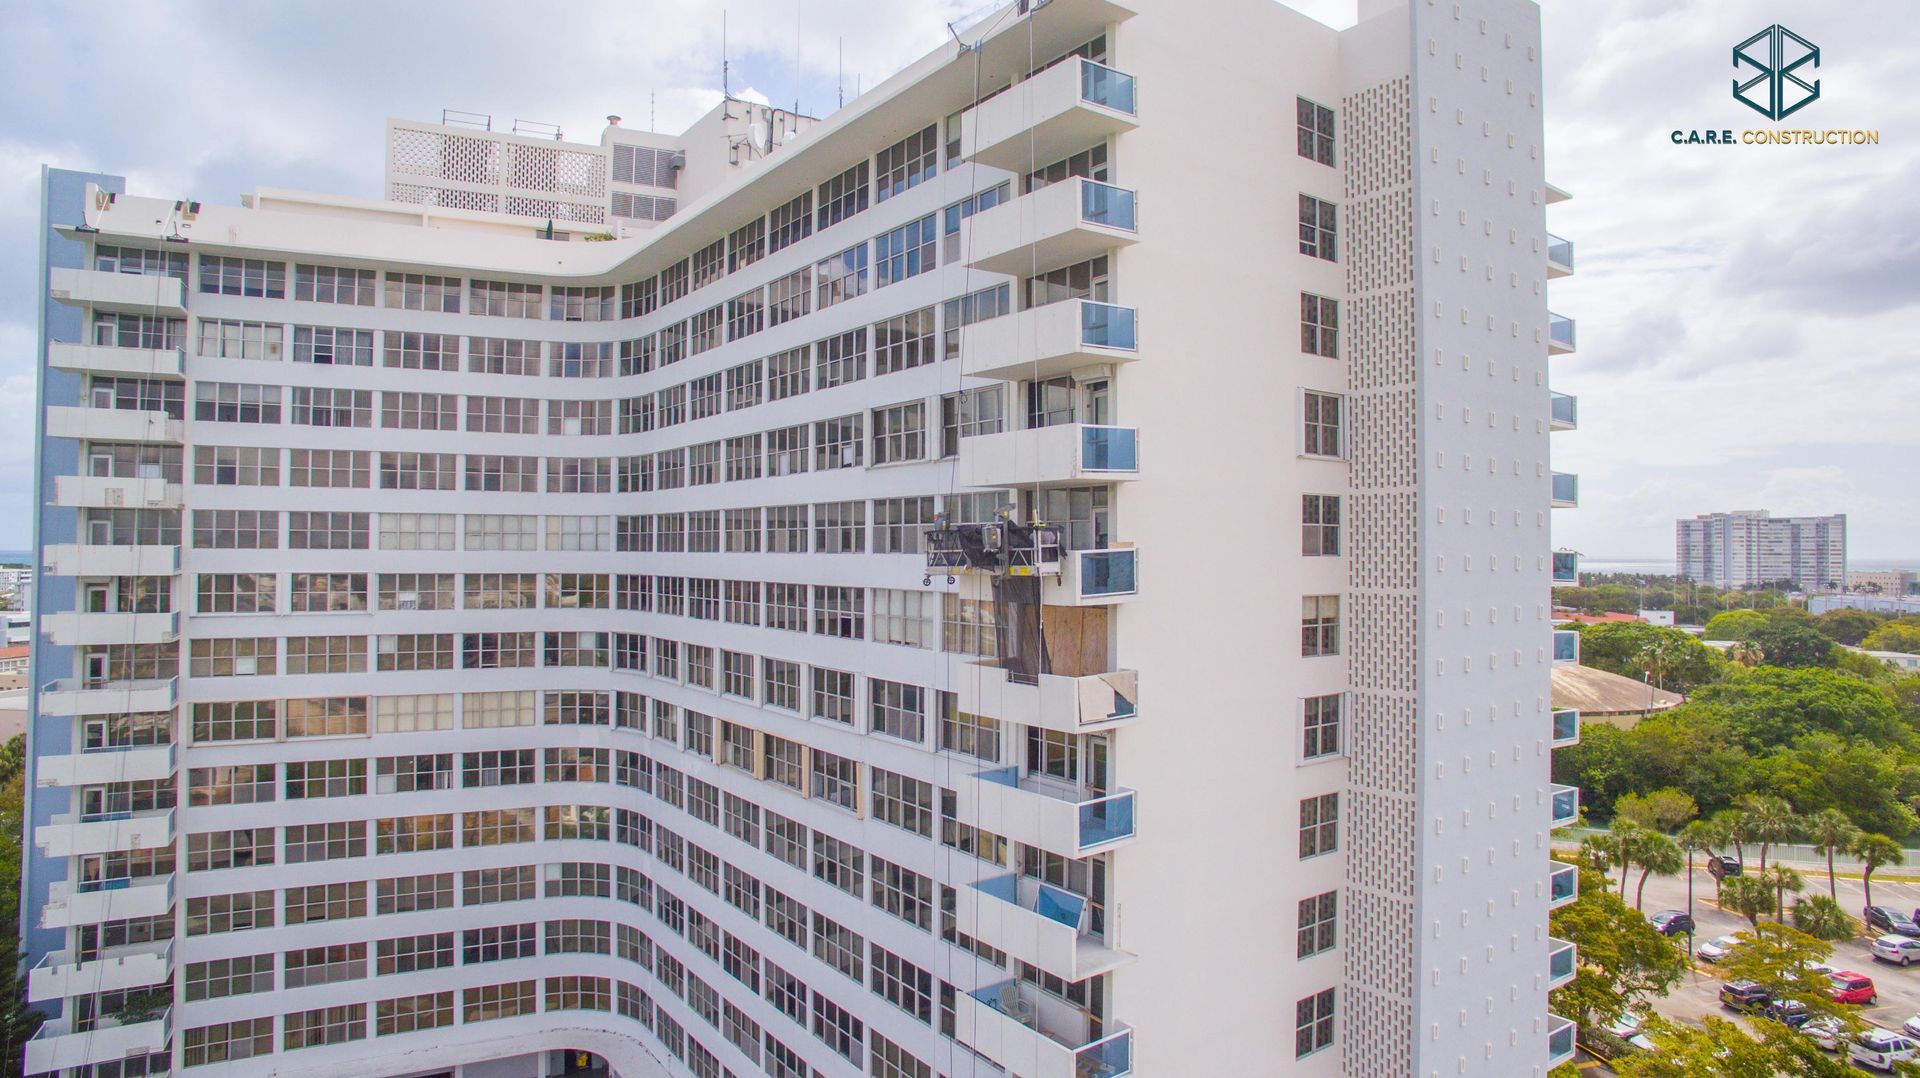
pixel 1901 950
pixel 1880 1049
pixel 1671 922
pixel 1888 919
pixel 1828 1033
pixel 1851 987
pixel 1744 996
pixel 1716 948
pixel 1722 867
pixel 1788 1012
pixel 1911 1027
pixel 1628 1024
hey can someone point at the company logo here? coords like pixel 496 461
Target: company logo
pixel 1774 55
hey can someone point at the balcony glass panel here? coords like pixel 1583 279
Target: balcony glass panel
pixel 1109 819
pixel 1106 572
pixel 1566 646
pixel 1559 251
pixel 1566 567
pixel 1104 325
pixel 1560 1040
pixel 1566 726
pixel 1564 884
pixel 1566 805
pixel 1560 329
pixel 1103 85
pixel 1566 488
pixel 1109 449
pixel 1560 961
pixel 1109 1058
pixel 1566 409
pixel 1105 204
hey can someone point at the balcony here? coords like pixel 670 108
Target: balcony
pixel 108 697
pixel 1062 702
pixel 1557 194
pixel 1060 455
pixel 113 425
pixel 114 492
pixel 1038 923
pixel 1566 645
pixel 1566 568
pixel 1566 805
pixel 1061 111
pixel 1561 1034
pixel 1044 812
pixel 1563 886
pixel 58 976
pixel 1039 1035
pixel 74 628
pixel 1049 341
pixel 1561 961
pixel 104 290
pixel 1559 334
pixel 57 1046
pixel 1059 225
pixel 1559 256
pixel 107 359
pixel 141 763
pixel 109 900
pixel 74 835
pixel 103 559
pixel 1564 412
pixel 1566 727
pixel 1094 578
pixel 1566 490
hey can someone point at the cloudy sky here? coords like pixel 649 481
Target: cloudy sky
pixel 1747 315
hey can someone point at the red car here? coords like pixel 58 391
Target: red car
pixel 1850 987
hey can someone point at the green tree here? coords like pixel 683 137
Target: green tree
pixel 1624 839
pixel 1893 637
pixel 17 1023
pixel 1623 961
pixel 1749 896
pixel 1830 832
pixel 1782 879
pixel 1769 820
pixel 1671 658
pixel 1875 852
pixel 1846 625
pixel 1821 917
pixel 1662 810
pixel 1734 625
pixel 1789 644
pixel 1722 1048
pixel 1776 958
pixel 1656 854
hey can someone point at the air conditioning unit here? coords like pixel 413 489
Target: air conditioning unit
pixel 407 600
pixel 245 665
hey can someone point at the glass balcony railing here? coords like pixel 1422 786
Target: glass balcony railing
pixel 1108 819
pixel 1560 252
pixel 1566 805
pixel 1564 884
pixel 1105 573
pixel 1105 204
pixel 1566 488
pixel 1566 409
pixel 1109 449
pixel 1103 325
pixel 1560 961
pixel 1566 726
pixel 1560 330
pixel 1109 1058
pixel 1102 85
pixel 1566 645
pixel 1560 1040
pixel 1566 567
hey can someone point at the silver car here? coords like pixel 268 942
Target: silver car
pixel 1716 948
pixel 1900 950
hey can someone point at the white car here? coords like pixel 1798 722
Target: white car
pixel 1826 1032
pixel 1627 1026
pixel 1912 1026
pixel 1716 948
pixel 1880 1050
pixel 1900 950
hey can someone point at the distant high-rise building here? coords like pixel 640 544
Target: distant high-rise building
pixel 1060 546
pixel 1751 548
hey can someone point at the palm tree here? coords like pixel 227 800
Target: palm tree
pixel 1730 826
pixel 1748 896
pixel 1625 836
pixel 1656 853
pixel 1769 820
pixel 1661 657
pixel 1874 851
pixel 1782 879
pixel 1822 918
pixel 1747 654
pixel 1831 832
pixel 1596 851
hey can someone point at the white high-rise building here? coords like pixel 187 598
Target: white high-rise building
pixel 1046 574
pixel 1750 548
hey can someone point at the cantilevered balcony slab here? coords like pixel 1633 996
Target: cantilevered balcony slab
pixel 109 697
pixel 1059 112
pixel 76 628
pixel 1066 454
pixel 106 559
pixel 108 359
pixel 59 975
pixel 1059 225
pixel 114 492
pixel 58 1046
pixel 68 904
pixel 1036 922
pixel 1039 1035
pixel 73 835
pixel 1073 705
pixel 1043 812
pixel 141 763
pixel 127 293
pixel 1049 341
pixel 114 425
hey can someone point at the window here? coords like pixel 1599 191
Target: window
pixel 837 443
pixel 904 252
pixel 334 284
pixel 326 902
pixel 589 303
pixel 900 433
pixel 421 351
pixel 903 342
pixel 892 1061
pixel 418 292
pixel 978 306
pixel 411 1014
pixel 904 617
pixel 332 407
pixel 839 1029
pixel 842 196
pixel 1319 825
pixel 236 466
pixel 840 359
pixel 488 885
pixel 897 710
pixel 840 527
pixel 578 533
pixel 746 315
pixel 419 471
pixel 494 531
pixel 1319 525
pixel 241 340
pixel 1317 925
pixel 229 977
pixel 790 223
pixel 328 531
pixel 1313 1024
pixel 1319 325
pixel 898 523
pixel 326 965
pixel 1319 625
pixel 904 802
pixel 503 299
pixel 1316 228
pixel 968 413
pixel 840 611
pixel 907 162
pixel 1320 420
pixel 746 245
pixel 836 779
pixel 971 735
pixel 841 276
pixel 420 411
pixel 243 277
pixel 333 345
pixel 782 681
pixel 789 373
pixel 709 264
pixel 235 402
pixel 1321 727
pixel 951 217
pixel 226 1041
pixel 789 297
pixel 902 984
pixel 112 330
pixel 1316 130
pixel 498 1001
pixel 1090 163
pixel 415 714
pixel 495 355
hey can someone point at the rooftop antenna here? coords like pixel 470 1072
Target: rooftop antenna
pixel 840 79
pixel 797 24
pixel 726 89
pixel 651 124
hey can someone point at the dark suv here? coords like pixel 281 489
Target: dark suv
pixel 1744 996
pixel 1671 922
pixel 1888 919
